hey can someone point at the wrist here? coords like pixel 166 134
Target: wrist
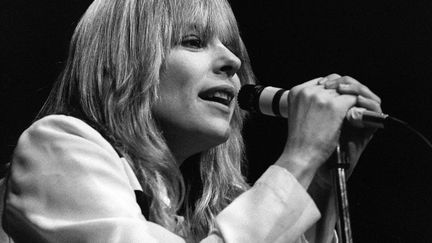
pixel 302 169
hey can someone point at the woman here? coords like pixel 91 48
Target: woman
pixel 149 87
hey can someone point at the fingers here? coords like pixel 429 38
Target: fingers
pixel 346 101
pixel 348 85
pixel 311 90
pixel 305 88
pixel 312 82
pixel 319 81
pixel 333 76
pixel 369 104
pixel 344 91
pixel 358 89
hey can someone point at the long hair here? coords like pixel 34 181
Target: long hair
pixel 111 81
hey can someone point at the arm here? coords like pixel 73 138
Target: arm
pixel 68 184
pixel 317 111
pixel 275 209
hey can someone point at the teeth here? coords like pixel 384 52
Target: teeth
pixel 221 95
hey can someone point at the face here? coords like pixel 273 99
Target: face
pixel 197 91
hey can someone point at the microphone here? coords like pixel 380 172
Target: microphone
pixel 273 101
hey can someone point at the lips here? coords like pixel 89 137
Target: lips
pixel 220 94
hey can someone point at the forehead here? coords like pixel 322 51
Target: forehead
pixel 210 18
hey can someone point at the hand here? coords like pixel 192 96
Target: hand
pixel 353 140
pixel 316 114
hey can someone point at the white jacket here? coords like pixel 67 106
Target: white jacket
pixel 68 184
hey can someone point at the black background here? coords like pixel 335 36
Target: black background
pixel 386 45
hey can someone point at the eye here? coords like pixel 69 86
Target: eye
pixel 192 41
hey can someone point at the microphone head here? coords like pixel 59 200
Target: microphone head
pixel 248 97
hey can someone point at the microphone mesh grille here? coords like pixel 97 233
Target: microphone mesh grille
pixel 248 97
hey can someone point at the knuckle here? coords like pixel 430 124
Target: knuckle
pixel 297 93
pixel 294 92
pixel 320 100
pixel 364 90
pixel 350 80
pixel 378 100
pixel 333 76
pixel 298 88
pixel 306 93
pixel 291 96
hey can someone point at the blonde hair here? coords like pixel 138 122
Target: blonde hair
pixel 111 81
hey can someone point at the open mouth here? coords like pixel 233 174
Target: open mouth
pixel 220 95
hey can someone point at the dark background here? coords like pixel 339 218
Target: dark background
pixel 386 45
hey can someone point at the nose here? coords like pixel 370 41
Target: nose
pixel 226 62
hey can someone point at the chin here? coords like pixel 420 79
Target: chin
pixel 224 137
pixel 216 135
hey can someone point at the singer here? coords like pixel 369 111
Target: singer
pixel 140 138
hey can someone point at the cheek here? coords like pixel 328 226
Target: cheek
pixel 172 84
pixel 180 79
pixel 176 94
